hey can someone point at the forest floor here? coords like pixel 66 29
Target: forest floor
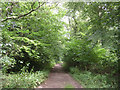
pixel 59 79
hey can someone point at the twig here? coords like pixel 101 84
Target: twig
pixel 17 17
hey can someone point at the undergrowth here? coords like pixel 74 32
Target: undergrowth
pixel 24 79
pixel 93 80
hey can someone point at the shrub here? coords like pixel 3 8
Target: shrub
pixel 91 80
pixel 7 63
pixel 27 52
pixel 83 55
pixel 80 54
pixel 24 79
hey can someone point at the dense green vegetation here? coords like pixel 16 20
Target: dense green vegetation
pixel 30 40
pixel 35 37
pixel 24 79
pixel 92 80
pixel 94 43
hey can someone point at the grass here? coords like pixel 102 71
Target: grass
pixel 91 80
pixel 24 79
pixel 69 87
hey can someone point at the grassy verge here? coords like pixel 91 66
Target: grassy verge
pixel 91 80
pixel 24 79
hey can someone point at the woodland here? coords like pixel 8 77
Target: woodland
pixel 84 36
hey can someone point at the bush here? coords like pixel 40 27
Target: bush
pixel 25 51
pixel 83 55
pixel 24 79
pixel 80 54
pixel 7 63
pixel 91 80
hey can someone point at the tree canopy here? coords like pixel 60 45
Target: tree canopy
pixel 35 36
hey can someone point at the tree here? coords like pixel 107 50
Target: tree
pixel 31 34
pixel 95 24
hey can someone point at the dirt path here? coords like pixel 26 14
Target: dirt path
pixel 59 79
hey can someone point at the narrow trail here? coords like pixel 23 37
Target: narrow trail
pixel 59 79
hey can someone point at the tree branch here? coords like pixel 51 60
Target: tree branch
pixel 55 6
pixel 17 17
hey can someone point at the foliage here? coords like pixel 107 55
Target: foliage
pixel 91 80
pixel 34 37
pixel 31 39
pixel 1 75
pixel 24 79
pixel 7 63
pixel 101 19
pixel 93 43
pixel 80 54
